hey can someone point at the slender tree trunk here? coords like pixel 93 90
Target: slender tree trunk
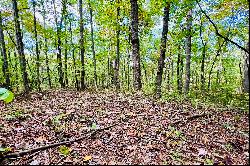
pixel 59 44
pixel 38 82
pixel 93 43
pixel 5 59
pixel 161 62
pixel 20 47
pixel 246 72
pixel 66 62
pixel 73 56
pixel 135 45
pixel 82 47
pixel 211 69
pixel 46 49
pixel 117 59
pixel 188 51
pixel 203 58
pixel 178 72
pixel 203 67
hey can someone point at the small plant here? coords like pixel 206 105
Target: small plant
pixel 209 162
pixel 4 150
pixel 64 150
pixel 6 95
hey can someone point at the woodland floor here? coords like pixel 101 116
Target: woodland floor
pixel 142 135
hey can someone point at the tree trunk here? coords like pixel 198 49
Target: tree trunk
pixel 5 59
pixel 210 72
pixel 203 67
pixel 135 45
pixel 246 72
pixel 93 43
pixel 46 50
pixel 59 43
pixel 117 59
pixel 188 51
pixel 82 47
pixel 20 47
pixel 38 82
pixel 73 56
pixel 179 72
pixel 203 58
pixel 161 60
pixel 65 63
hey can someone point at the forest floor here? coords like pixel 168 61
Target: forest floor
pixel 141 132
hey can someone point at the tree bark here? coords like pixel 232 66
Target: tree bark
pixel 82 47
pixel 93 43
pixel 73 55
pixel 59 43
pixel 161 60
pixel 179 77
pixel 4 54
pixel 117 59
pixel 38 82
pixel 46 49
pixel 188 51
pixel 161 63
pixel 135 45
pixel 20 47
pixel 246 71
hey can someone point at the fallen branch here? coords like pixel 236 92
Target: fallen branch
pixel 190 118
pixel 25 152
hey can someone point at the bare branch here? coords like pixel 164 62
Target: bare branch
pixel 217 31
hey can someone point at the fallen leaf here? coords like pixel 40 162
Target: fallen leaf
pixel 87 158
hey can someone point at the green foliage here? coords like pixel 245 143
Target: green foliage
pixel 64 150
pixel 6 95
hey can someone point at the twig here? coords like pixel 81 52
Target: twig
pixel 22 153
pixel 190 118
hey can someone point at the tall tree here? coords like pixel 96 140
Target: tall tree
pixel 5 59
pixel 46 46
pixel 163 50
pixel 82 46
pixel 20 47
pixel 59 43
pixel 117 59
pixel 93 42
pixel 37 49
pixel 188 51
pixel 203 58
pixel 135 45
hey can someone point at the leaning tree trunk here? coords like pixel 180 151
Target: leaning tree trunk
pixel 163 51
pixel 5 59
pixel 93 43
pixel 82 47
pixel 135 45
pixel 117 59
pixel 246 72
pixel 20 47
pixel 188 51
pixel 37 50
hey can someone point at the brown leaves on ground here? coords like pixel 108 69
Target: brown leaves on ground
pixel 143 136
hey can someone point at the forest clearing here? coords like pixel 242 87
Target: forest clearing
pixel 108 82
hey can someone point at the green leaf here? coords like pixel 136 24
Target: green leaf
pixel 64 150
pixel 94 126
pixel 3 90
pixel 7 97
